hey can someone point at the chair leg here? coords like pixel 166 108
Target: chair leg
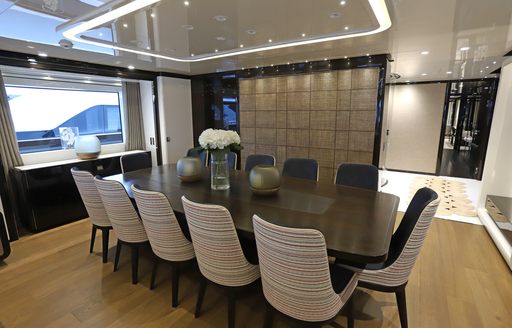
pixel 135 263
pixel 231 308
pixel 200 296
pixel 104 235
pixel 350 312
pixel 269 316
pixel 118 254
pixel 93 237
pixel 402 307
pixel 153 274
pixel 175 283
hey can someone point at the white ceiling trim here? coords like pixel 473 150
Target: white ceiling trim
pixel 378 7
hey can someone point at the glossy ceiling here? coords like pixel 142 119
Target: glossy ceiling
pixel 437 28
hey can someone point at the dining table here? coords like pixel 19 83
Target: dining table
pixel 357 224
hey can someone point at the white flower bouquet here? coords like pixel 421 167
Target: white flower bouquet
pixel 214 139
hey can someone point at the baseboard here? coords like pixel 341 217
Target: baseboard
pixel 503 246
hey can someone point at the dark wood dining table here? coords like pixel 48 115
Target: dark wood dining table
pixel 357 224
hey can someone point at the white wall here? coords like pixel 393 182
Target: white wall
pixel 148 117
pixel 175 111
pixel 414 116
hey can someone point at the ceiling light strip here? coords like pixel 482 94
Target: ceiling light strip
pixel 378 7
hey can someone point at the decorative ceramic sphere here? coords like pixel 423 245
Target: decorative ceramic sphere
pixel 264 179
pixel 189 169
pixel 88 147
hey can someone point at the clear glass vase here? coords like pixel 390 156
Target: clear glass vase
pixel 220 170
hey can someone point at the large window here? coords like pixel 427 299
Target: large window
pixel 39 113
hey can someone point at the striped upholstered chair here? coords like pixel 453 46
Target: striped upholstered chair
pixel 85 183
pixel 125 221
pixel 392 276
pixel 296 278
pixel 165 236
pixel 218 251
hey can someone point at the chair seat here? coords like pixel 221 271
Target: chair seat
pixel 340 277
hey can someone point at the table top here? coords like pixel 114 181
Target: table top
pixel 357 223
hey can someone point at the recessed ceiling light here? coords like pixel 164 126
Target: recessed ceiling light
pixel 303 34
pixel 343 2
pixel 125 25
pixel 486 66
pixel 33 63
pixel 220 18
pixel 424 74
pixel 87 81
pixel 216 50
pixel 325 59
pixel 42 54
pixel 367 54
pixel 241 46
pixel 407 81
pixel 485 77
pixel 186 3
pixel 449 72
pixel 243 68
pixel 220 38
pixel 288 63
pixel 306 60
pixel 346 28
pixel 48 78
pixel 465 48
pixel 269 40
pixel 334 15
pixel 153 15
pixel 271 65
pixel 31 60
pixel 148 47
pixel 257 67
pixel 30 47
pixel 188 27
pixel 494 63
pixel 481 71
pixel 131 67
pixel 192 54
pixel 100 34
pixel 345 57
pixel 425 52
pixel 251 32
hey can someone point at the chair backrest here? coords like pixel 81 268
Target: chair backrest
pixel 91 197
pixel 133 162
pixel 364 176
pixel 218 251
pixel 163 230
pixel 295 271
pixel 120 210
pixel 253 160
pixel 407 240
pixel 232 159
pixel 201 154
pixel 301 168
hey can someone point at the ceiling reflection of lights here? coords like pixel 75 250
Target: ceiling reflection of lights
pixel 73 33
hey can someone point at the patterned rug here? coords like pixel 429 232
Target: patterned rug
pixel 454 199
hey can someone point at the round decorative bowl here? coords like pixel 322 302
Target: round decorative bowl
pixel 87 147
pixel 264 180
pixel 189 169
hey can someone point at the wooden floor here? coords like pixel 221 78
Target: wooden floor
pixel 51 280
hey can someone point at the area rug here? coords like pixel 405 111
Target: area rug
pixel 454 200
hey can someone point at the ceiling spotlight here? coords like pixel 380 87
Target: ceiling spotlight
pixel 30 47
pixel 125 25
pixel 33 63
pixel 425 52
pixel 153 15
pixel 192 55
pixel 481 71
pixel 465 48
pixel 188 27
pixel 251 32
pixel 48 78
pixel 486 66
pixel 148 47
pixel 368 54
pixel 241 46
pixel 271 65
pixel 306 60
pixel 42 54
pixel 32 60
pixel 288 63
pixel 334 15
pixel 449 72
pixel 257 67
pixel 424 74
pixel 346 28
pixel 243 68
pixel 303 34
pixel 186 3
pixel 269 40
pixel 87 81
pixel 220 38
pixel 216 50
pixel 101 34
pixel 345 57
pixel 325 59
pixel 343 2
pixel 494 63
pixel 220 18
pixel 131 67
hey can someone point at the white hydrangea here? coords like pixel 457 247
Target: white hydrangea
pixel 218 139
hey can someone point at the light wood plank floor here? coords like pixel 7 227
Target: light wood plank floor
pixel 51 280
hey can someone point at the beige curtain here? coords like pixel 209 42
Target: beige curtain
pixel 8 144
pixel 133 115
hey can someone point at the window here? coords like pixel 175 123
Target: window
pixel 39 112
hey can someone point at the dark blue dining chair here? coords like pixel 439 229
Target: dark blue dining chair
pixel 358 175
pixel 201 154
pixel 303 168
pixel 133 162
pixel 253 160
pixel 232 158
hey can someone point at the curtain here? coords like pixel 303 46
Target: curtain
pixel 9 151
pixel 133 115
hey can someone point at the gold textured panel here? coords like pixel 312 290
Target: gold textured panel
pixel 298 100
pixel 297 119
pixel 343 100
pixel 323 100
pixel 266 85
pixel 248 150
pixel 324 157
pixel 280 154
pixel 321 139
pixel 265 136
pixel 361 141
pixel 297 137
pixel 323 120
pixel 281 119
pixel 341 140
pixel 365 78
pixel 364 99
pixel 298 82
pixel 281 137
pixel 247 102
pixel 324 81
pixel 266 119
pixel 325 175
pixel 266 150
pixel 247 119
pixel 345 79
pixel 360 157
pixel 297 152
pixel 343 120
pixel 362 121
pixel 247 86
pixel 281 101
pixel 281 84
pixel 340 157
pixel 247 135
pixel 266 101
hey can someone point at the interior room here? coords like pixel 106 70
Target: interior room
pixel 237 163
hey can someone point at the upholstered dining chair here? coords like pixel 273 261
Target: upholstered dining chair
pixel 201 154
pixel 125 221
pixel 296 277
pixel 364 176
pixel 133 162
pixel 164 233
pixel 303 168
pixel 218 251
pixel 257 159
pixel 392 276
pixel 232 159
pixel 92 201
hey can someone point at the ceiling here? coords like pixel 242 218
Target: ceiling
pixel 428 40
